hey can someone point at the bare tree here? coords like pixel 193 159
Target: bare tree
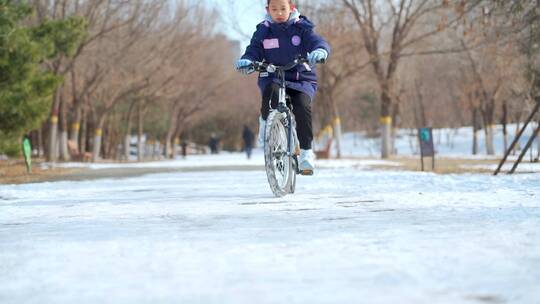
pixel 102 18
pixel 345 63
pixel 399 18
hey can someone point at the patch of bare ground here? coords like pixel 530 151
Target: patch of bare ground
pixel 14 171
pixel 442 165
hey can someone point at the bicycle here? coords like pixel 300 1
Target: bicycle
pixel 281 145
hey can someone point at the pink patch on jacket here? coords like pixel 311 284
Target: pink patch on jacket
pixel 271 43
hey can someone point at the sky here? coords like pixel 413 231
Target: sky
pixel 247 14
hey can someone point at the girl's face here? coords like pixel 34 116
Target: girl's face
pixel 279 10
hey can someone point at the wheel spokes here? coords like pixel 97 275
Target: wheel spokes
pixel 278 146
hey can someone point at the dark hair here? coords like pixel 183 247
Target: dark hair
pixel 290 1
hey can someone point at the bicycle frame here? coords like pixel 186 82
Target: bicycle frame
pixel 282 96
pixel 282 108
pixel 281 161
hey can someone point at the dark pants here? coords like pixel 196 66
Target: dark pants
pixel 301 103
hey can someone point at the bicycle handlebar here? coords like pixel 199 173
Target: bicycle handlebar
pixel 271 68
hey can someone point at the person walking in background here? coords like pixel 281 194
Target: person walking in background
pixel 248 137
pixel 214 144
pixel 184 145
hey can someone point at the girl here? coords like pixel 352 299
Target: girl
pixel 279 39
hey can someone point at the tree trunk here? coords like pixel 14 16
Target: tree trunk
pixel 386 124
pixel 97 139
pixel 173 121
pixel 64 153
pixel 34 142
pixel 422 119
pixel 139 133
pixel 53 128
pixel 488 115
pixel 76 128
pixel 337 128
pixel 77 109
pixel 116 138
pixel 40 142
pixel 106 139
pixel 490 150
pixel 504 122
pixel 475 131
pixel 127 137
pixel 109 136
pixel 76 124
pixel 127 146
pixel 337 136
pixel 84 130
pixel 178 133
pixel 395 126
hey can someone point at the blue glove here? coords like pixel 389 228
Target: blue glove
pixel 317 56
pixel 244 66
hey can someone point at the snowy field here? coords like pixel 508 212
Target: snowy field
pixel 349 235
pixel 448 143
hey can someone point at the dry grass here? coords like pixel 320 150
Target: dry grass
pixel 14 172
pixel 442 165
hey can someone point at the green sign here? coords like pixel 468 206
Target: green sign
pixel 27 152
pixel 426 142
pixel 427 149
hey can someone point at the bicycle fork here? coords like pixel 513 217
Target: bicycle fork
pixel 292 137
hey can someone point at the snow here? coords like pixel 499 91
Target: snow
pixel 454 143
pixel 347 235
pixel 219 161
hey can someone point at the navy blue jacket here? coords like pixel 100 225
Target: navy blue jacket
pixel 281 43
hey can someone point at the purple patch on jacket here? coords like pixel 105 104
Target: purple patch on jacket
pixel 296 40
pixel 271 43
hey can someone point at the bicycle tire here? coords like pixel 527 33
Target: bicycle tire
pixel 292 183
pixel 280 168
pixel 294 158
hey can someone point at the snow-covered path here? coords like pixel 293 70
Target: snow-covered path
pixel 347 236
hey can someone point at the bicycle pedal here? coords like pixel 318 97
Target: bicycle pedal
pixel 306 172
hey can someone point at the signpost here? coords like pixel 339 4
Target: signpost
pixel 427 149
pixel 27 152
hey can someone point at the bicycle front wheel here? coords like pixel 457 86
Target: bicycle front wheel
pixel 278 163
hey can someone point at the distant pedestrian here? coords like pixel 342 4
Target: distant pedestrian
pixel 214 144
pixel 247 136
pixel 184 145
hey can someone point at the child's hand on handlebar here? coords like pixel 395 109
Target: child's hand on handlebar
pixel 317 56
pixel 244 66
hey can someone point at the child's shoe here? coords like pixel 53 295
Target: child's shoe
pixel 306 163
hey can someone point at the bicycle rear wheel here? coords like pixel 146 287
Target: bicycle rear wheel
pixel 279 165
